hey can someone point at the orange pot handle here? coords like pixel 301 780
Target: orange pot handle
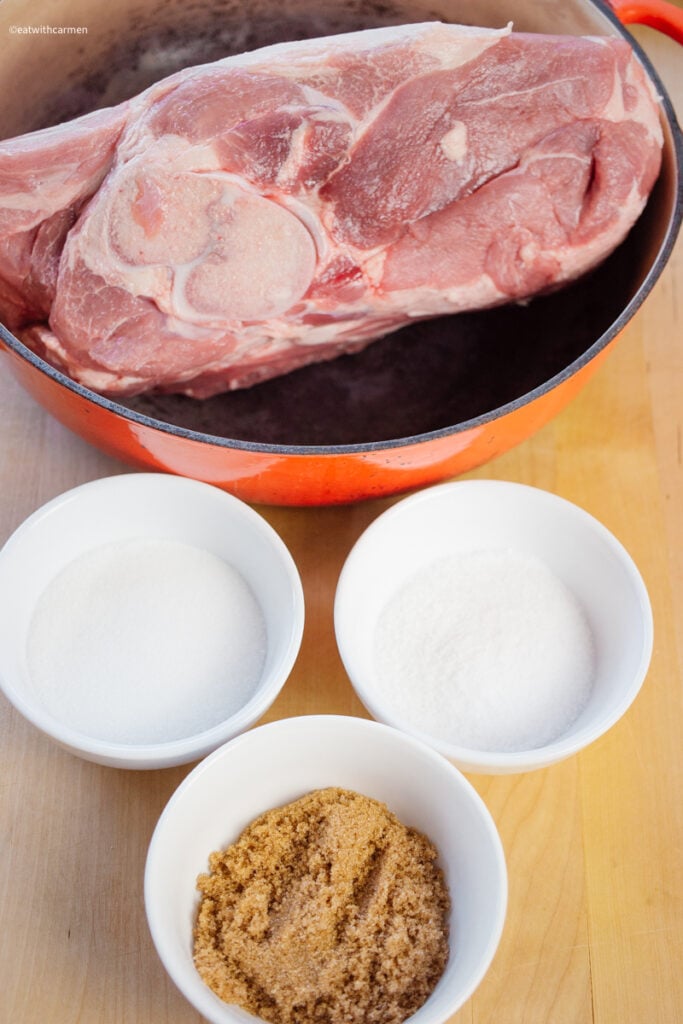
pixel 659 14
pixel 4 347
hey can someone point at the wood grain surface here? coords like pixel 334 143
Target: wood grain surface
pixel 594 932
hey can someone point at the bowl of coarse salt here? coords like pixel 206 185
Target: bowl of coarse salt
pixel 145 619
pixel 498 622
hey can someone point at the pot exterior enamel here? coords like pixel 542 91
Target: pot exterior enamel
pixel 295 477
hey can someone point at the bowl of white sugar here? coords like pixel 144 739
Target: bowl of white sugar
pixel 145 619
pixel 498 622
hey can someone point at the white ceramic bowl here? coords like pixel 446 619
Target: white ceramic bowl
pixel 484 514
pixel 147 506
pixel 276 763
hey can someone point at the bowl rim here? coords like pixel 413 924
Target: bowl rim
pixel 164 753
pixel 109 405
pixel 310 725
pixel 490 760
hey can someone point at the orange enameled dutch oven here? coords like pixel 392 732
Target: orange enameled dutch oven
pixel 429 402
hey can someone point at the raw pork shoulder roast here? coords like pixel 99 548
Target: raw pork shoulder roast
pixel 240 219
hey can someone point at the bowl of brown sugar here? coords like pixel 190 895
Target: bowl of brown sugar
pixel 326 868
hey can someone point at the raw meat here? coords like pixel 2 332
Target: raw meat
pixel 240 219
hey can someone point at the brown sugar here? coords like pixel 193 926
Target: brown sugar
pixel 326 910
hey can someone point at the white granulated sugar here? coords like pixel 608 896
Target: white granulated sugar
pixel 143 641
pixel 488 650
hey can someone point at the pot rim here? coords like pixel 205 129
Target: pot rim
pixel 217 441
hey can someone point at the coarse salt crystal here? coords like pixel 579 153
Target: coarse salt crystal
pixel 488 650
pixel 145 641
